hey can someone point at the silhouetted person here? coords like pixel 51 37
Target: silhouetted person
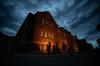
pixel 49 48
pixel 64 48
pixel 67 50
pixel 55 48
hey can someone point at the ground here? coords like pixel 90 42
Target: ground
pixel 81 59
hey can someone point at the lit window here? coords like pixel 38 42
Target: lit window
pixel 42 33
pixel 45 34
pixel 49 35
pixel 52 36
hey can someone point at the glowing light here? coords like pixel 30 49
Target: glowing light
pixel 42 33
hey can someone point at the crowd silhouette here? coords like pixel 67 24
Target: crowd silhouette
pixel 56 49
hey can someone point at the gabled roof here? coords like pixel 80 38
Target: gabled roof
pixel 47 12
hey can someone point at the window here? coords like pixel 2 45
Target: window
pixel 52 36
pixel 45 34
pixel 42 34
pixel 58 31
pixel 42 21
pixel 49 35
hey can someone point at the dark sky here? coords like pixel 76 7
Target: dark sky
pixel 77 16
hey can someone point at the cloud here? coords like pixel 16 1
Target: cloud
pixel 77 16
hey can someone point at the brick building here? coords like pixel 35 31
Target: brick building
pixel 40 29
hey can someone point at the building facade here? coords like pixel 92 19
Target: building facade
pixel 40 30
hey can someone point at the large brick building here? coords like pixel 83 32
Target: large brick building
pixel 40 29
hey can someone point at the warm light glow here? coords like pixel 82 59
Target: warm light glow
pixel 45 34
pixel 42 33
pixel 76 49
pixel 52 36
pixel 45 48
pixel 49 35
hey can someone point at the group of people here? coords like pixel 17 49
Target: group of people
pixel 56 49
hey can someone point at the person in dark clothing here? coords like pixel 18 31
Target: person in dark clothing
pixel 64 48
pixel 49 48
pixel 55 48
